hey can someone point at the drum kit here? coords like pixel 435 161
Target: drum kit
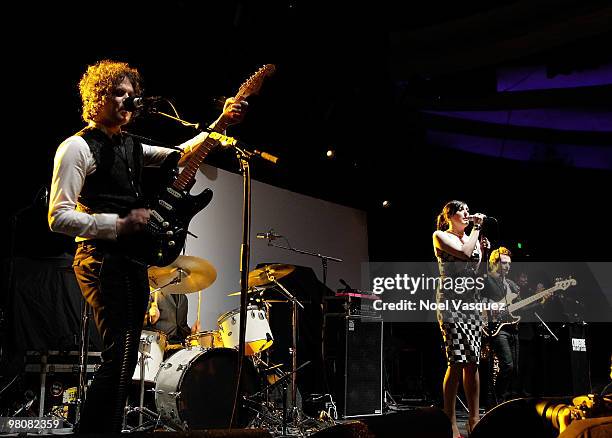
pixel 194 384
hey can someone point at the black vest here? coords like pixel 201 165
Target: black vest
pixel 115 186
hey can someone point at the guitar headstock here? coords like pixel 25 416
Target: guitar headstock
pixel 253 84
pixel 564 284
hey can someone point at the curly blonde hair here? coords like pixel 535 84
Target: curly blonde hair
pixel 99 82
pixel 496 255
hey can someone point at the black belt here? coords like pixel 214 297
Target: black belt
pixel 99 244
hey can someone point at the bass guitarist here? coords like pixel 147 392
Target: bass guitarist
pixel 505 345
pixel 96 184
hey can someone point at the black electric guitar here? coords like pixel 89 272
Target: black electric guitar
pixel 495 320
pixel 164 236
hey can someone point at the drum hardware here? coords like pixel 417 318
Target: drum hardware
pixel 185 275
pixel 251 290
pixel 142 360
pixel 261 276
pixel 155 420
pixel 269 275
pixel 153 345
pixel 151 350
pixel 293 351
pixel 150 357
pixel 263 408
pixel 84 352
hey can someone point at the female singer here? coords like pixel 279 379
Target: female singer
pixel 459 255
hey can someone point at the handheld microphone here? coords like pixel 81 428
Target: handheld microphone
pixel 133 103
pixel 484 217
pixel 270 235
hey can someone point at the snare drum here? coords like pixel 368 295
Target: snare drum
pixel 152 346
pixel 258 333
pixel 195 389
pixel 208 339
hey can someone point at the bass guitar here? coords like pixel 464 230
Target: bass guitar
pixel 495 320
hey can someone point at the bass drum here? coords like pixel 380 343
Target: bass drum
pixel 195 389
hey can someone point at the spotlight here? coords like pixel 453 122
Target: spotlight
pixel 330 153
pixel 386 204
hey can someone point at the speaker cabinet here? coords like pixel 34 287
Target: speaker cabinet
pixel 353 358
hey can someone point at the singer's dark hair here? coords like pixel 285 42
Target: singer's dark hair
pixel 449 209
pixel 99 82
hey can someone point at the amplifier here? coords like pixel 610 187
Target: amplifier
pixel 353 359
pixel 352 303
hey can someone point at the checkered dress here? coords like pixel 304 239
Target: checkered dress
pixel 461 329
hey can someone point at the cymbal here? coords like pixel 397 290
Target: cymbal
pixel 186 274
pixel 259 277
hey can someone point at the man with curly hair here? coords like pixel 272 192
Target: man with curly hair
pixel 95 189
pixel 500 288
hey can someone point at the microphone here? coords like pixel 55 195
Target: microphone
pixel 133 103
pixel 266 156
pixel 485 217
pixel 271 235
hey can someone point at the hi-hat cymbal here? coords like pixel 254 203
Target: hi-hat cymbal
pixel 185 275
pixel 259 277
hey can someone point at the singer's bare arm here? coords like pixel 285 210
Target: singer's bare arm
pixel 233 113
pixel 452 245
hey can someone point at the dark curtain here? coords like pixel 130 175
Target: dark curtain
pixel 45 307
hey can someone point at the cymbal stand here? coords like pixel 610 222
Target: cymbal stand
pixel 294 321
pixel 175 280
pixel 269 418
pixel 83 356
pixel 141 409
pixel 142 359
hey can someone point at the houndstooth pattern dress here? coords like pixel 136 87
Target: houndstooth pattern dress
pixel 461 329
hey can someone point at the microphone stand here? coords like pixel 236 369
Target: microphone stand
pixel 324 258
pixel 244 156
pixel 491 394
pixel 545 325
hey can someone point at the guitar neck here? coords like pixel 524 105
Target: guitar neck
pixel 186 177
pixel 531 299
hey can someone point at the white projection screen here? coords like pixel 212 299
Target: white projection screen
pixel 310 224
